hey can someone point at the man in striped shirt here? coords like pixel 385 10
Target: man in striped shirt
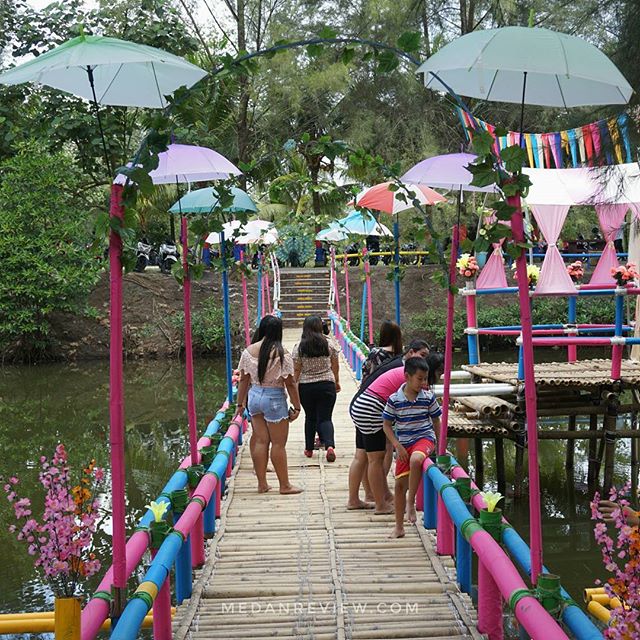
pixel 414 410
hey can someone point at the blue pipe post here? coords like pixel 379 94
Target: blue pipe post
pixel 259 290
pixel 396 259
pixel 619 315
pixel 209 516
pixel 520 363
pixel 472 347
pixel 463 562
pixel 430 501
pixel 364 310
pixel 227 319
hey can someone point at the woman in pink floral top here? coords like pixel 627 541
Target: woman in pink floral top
pixel 266 370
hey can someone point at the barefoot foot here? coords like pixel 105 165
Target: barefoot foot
pixel 384 510
pixel 411 513
pixel 290 490
pixel 398 532
pixel 264 488
pixel 361 504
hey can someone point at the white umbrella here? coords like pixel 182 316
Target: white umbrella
pixel 561 70
pixel 259 237
pixel 228 228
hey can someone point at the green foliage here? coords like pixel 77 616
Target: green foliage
pixel 44 232
pixel 207 327
pixel 431 323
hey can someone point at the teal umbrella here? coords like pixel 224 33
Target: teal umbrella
pixel 206 200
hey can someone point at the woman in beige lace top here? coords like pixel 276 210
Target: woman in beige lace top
pixel 266 369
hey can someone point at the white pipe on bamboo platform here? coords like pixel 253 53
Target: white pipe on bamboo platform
pixel 459 375
pixel 488 389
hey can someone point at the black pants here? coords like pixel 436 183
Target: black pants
pixel 318 400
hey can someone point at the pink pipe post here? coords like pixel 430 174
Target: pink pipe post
pixel 530 395
pixel 266 282
pixel 489 605
pixel 97 609
pixel 245 304
pixel 197 544
pixel 448 345
pixel 116 404
pixel 367 275
pixel 188 347
pixel 616 361
pixel 263 288
pixel 162 610
pixel 346 289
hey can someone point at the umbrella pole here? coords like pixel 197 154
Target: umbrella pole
pixel 346 287
pixel 245 303
pixel 530 394
pixel 367 275
pixel 396 259
pixel 188 345
pixel 259 288
pixel 116 411
pixel 97 109
pixel 227 319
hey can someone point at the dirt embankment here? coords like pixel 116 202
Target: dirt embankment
pixel 152 318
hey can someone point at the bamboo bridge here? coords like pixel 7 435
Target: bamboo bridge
pixel 306 567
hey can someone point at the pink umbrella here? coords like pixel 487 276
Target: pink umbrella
pixel 381 198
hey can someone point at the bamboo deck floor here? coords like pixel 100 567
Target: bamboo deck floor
pixel 583 374
pixel 306 567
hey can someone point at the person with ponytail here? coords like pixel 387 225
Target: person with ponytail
pixel 266 377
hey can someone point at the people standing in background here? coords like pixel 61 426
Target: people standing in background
pixel 389 346
pixel 317 371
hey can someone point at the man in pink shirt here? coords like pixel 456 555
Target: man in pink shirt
pixel 366 412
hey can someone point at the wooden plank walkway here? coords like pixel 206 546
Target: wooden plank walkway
pixel 306 567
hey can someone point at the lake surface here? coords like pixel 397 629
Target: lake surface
pixel 41 406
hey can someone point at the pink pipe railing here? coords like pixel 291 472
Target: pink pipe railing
pixel 188 344
pixel 266 282
pixel 530 394
pixel 97 609
pixel 567 340
pixel 116 396
pixel 334 275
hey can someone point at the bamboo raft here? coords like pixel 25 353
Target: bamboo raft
pixel 306 567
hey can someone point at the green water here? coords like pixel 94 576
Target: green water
pixel 41 406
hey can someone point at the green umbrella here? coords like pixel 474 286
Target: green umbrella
pixel 109 71
pixel 206 200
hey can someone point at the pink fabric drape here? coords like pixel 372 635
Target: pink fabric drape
pixel 492 275
pixel 611 217
pixel 553 274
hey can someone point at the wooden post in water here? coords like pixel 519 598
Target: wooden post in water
pixel 571 446
pixel 500 472
pixel 592 474
pixel 609 425
pixel 479 474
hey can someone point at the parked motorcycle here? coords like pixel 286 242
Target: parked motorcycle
pixel 167 256
pixel 143 255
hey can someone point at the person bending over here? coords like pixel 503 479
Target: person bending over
pixel 415 412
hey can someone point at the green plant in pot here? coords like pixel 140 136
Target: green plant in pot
pixel 491 516
pixel 159 528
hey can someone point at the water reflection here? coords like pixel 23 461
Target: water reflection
pixel 41 406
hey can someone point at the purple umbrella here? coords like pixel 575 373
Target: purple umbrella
pixel 445 172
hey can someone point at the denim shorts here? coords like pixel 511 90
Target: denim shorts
pixel 268 401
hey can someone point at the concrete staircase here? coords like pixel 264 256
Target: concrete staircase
pixel 303 292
